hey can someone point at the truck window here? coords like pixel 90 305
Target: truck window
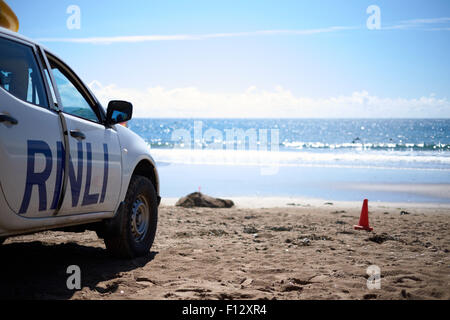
pixel 72 99
pixel 19 73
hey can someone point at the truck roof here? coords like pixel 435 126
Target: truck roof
pixel 26 39
pixel 16 35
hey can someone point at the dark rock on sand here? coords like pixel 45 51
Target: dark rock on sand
pixel 278 229
pixel 250 229
pixel 380 238
pixel 198 199
pixel 291 287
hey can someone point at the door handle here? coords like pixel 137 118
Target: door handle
pixel 7 118
pixel 77 134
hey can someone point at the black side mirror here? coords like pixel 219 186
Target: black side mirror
pixel 118 111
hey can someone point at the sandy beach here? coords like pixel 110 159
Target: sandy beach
pixel 299 249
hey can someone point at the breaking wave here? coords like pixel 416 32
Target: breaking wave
pixel 354 159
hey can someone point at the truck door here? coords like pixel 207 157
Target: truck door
pixel 95 174
pixel 29 132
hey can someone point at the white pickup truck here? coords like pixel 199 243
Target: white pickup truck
pixel 65 163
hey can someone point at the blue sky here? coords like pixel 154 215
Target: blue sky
pixel 255 58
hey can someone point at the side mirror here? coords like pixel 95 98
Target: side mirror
pixel 118 111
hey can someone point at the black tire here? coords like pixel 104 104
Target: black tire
pixel 129 242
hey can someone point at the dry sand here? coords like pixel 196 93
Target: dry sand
pixel 297 251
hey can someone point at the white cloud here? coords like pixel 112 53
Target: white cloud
pixel 429 24
pixel 147 38
pixel 427 21
pixel 190 102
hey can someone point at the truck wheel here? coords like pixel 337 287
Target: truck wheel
pixel 137 220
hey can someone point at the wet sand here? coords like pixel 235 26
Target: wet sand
pixel 301 250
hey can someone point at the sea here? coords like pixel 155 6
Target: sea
pixel 387 160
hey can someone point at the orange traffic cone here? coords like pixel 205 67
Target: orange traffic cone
pixel 364 218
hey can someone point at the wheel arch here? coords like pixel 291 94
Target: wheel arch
pixel 147 169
